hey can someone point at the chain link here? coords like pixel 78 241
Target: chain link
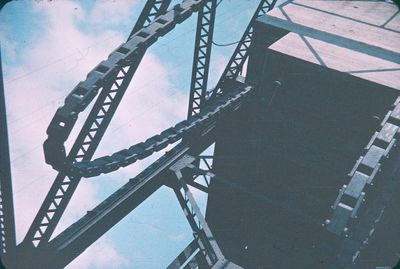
pixel 351 196
pixel 107 164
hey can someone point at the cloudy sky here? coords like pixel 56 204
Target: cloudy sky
pixel 47 47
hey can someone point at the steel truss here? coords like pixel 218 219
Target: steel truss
pixel 109 81
pixel 201 58
pixel 241 53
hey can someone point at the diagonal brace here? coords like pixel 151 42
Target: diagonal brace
pixel 201 231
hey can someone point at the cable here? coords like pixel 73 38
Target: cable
pixel 93 45
pixel 226 44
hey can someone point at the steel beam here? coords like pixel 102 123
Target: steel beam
pixel 201 58
pixel 88 139
pixel 7 222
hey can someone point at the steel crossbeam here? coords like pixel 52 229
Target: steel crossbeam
pixel 94 128
pixel 7 222
pixel 240 55
pixel 201 58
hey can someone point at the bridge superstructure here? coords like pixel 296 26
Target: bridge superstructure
pixel 212 118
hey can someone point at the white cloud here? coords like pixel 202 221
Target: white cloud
pixel 52 67
pixel 7 45
pixel 26 98
pixel 111 12
pixel 61 57
pixel 102 254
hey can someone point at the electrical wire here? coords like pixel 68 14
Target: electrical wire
pixel 226 44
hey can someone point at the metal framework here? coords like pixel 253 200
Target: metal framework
pixel 7 222
pixel 202 55
pixel 204 242
pixel 108 82
pixel 240 55
pixel 182 166
pixel 88 139
pixel 202 233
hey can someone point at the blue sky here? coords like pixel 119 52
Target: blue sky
pixel 47 48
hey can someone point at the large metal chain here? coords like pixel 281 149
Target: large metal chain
pixel 122 158
pixel 127 54
pixel 113 85
pixel 352 196
pixel 364 172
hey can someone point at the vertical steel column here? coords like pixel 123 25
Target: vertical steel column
pixel 88 139
pixel 7 222
pixel 201 58
pixel 239 57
